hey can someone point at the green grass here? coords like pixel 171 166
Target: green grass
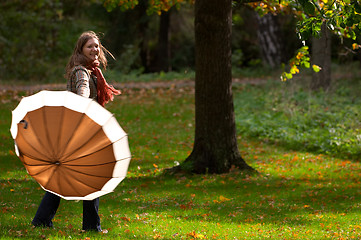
pixel 297 195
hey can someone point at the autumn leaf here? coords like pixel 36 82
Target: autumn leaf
pixel 299 55
pixel 125 219
pixel 344 163
pixel 196 235
pixel 355 46
pixel 182 206
pixel 223 199
pixel 157 236
pixel 294 70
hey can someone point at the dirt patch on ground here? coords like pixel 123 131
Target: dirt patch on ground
pixel 129 85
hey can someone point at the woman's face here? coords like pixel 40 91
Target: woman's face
pixel 91 49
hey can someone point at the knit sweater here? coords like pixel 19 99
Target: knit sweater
pixel 83 83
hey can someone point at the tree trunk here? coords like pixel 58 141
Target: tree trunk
pixel 215 145
pixel 142 25
pixel 321 56
pixel 163 52
pixel 269 37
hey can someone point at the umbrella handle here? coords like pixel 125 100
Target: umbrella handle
pixel 25 122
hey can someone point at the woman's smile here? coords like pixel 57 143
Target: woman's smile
pixel 91 49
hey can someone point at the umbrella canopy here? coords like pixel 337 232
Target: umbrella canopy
pixel 70 145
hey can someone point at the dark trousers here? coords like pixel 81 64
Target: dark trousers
pixel 50 203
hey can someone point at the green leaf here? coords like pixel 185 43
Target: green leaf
pixel 289 75
pixel 316 68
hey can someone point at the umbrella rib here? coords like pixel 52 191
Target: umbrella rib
pixel 87 174
pixel 83 182
pixel 47 133
pixel 60 185
pixel 72 136
pixel 34 158
pixel 46 169
pixel 32 165
pixel 79 165
pixel 60 129
pixel 78 124
pixel 36 136
pixel 71 153
pixel 35 165
pixel 75 165
pixel 70 160
pixel 76 127
pixel 126 135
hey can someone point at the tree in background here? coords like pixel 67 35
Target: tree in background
pixel 317 19
pixel 162 54
pixel 25 54
pixel 321 56
pixel 215 145
pixel 39 37
pixel 270 40
pixel 160 41
pixel 267 38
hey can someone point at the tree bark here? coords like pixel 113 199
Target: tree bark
pixel 162 58
pixel 270 40
pixel 142 25
pixel 215 146
pixel 321 56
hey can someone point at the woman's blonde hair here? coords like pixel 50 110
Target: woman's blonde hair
pixel 78 58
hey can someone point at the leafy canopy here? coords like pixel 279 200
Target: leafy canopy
pixel 154 6
pixel 342 17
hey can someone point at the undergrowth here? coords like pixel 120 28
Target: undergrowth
pixel 291 115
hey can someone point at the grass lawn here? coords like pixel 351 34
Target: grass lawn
pixel 297 195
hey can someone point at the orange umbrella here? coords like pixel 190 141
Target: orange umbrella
pixel 70 145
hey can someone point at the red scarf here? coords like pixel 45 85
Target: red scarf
pixel 105 91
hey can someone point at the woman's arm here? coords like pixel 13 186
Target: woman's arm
pixel 82 78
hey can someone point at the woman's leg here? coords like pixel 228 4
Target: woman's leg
pixel 91 219
pixel 46 211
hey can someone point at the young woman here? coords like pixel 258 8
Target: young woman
pixel 86 79
pixel 83 73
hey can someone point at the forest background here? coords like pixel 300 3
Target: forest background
pixel 37 37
